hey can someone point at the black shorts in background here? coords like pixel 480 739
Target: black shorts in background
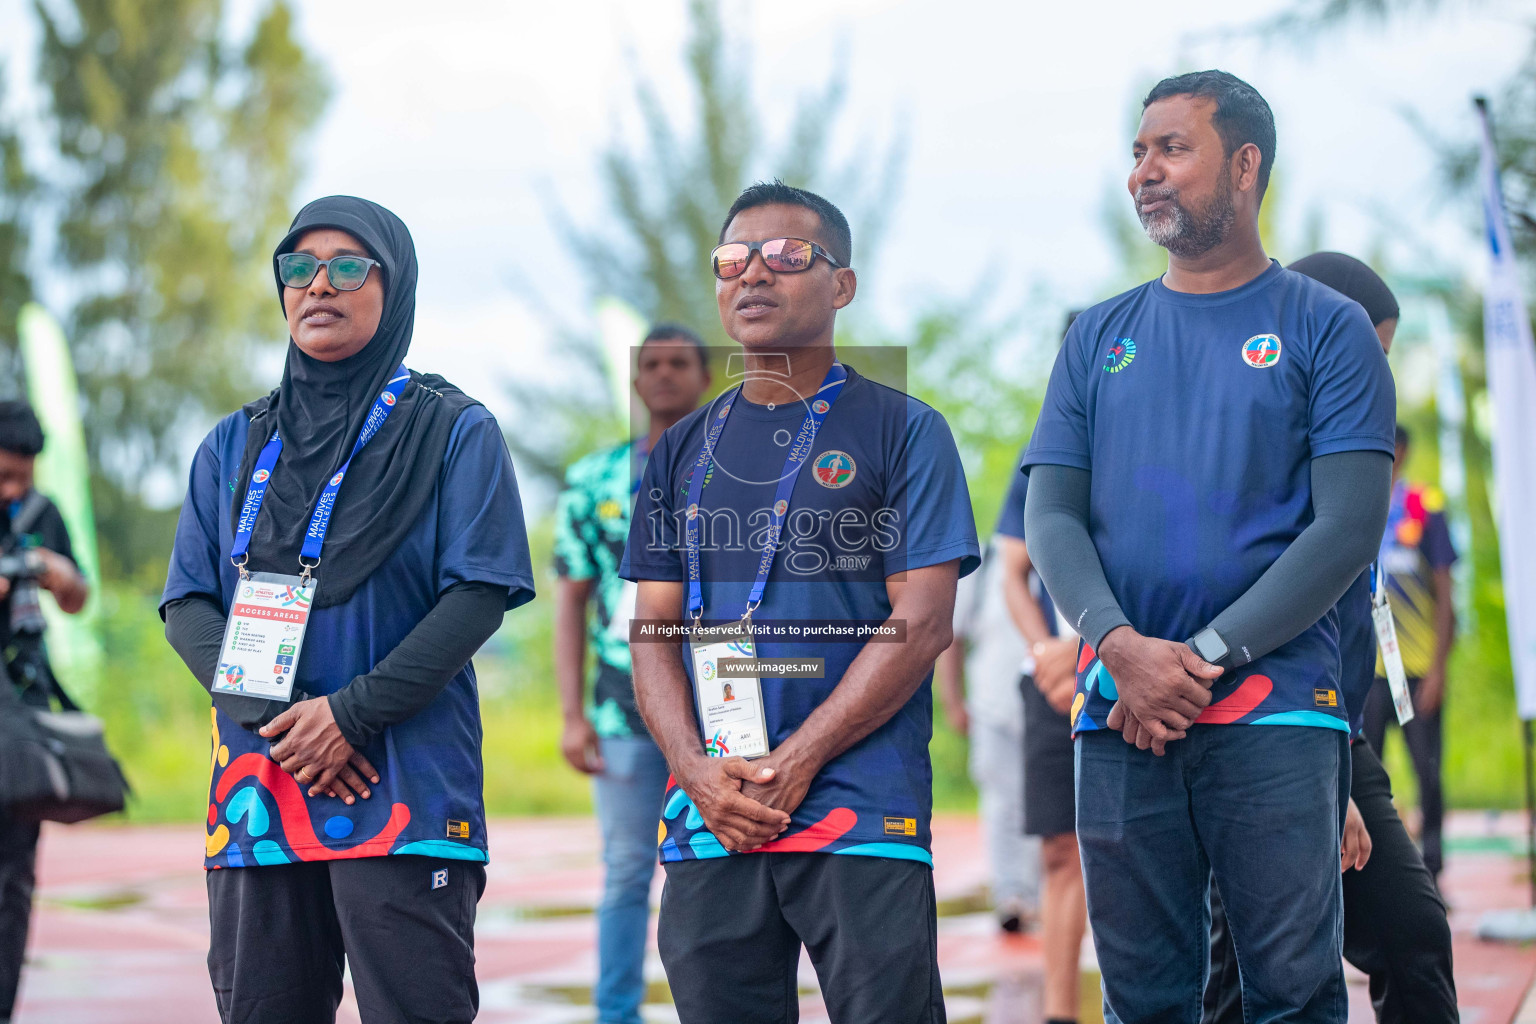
pixel 731 929
pixel 1050 807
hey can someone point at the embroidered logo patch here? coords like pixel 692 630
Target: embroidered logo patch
pixel 1261 351
pixel 458 829
pixel 834 469
pixel 1325 698
pixel 440 878
pixel 1119 355
pixel 901 826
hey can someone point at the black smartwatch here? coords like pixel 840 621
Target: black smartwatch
pixel 1209 645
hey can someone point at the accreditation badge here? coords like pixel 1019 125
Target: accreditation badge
pixel 265 635
pixel 730 705
pixel 1391 656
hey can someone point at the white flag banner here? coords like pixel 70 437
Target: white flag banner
pixel 1511 364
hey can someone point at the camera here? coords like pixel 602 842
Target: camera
pixel 22 565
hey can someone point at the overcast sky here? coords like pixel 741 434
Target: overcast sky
pixel 1016 118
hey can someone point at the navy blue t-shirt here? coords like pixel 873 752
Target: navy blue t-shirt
pixel 1357 649
pixel 1198 416
pixel 883 491
pixel 1010 523
pixel 429 799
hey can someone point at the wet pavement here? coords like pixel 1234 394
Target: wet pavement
pixel 121 930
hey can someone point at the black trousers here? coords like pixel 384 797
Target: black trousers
pixel 1395 928
pixel 18 859
pixel 731 929
pixel 1423 736
pixel 405 925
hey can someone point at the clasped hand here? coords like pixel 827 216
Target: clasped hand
pixel 313 750
pixel 744 803
pixel 1163 687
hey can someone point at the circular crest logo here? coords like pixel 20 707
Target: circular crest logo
pixel 337 479
pixel 387 398
pixel 725 410
pixel 834 469
pixel 708 671
pixel 1261 351
pixel 1119 355
pixel 260 476
pixel 250 592
pixel 693 511
pixel 820 406
pixel 780 507
pixel 233 674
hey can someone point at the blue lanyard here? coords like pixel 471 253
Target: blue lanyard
pixel 320 521
pixel 799 452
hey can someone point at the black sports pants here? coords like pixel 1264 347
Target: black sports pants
pixel 405 925
pixel 1394 920
pixel 18 856
pixel 1423 737
pixel 731 930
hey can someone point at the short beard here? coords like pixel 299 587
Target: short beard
pixel 1186 233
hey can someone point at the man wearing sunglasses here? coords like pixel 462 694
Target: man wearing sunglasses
pixel 819 835
pixel 1208 475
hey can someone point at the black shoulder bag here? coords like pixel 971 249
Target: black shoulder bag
pixel 54 765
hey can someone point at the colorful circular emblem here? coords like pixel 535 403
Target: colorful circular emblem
pixel 233 674
pixel 693 511
pixel 1261 351
pixel 249 591
pixel 389 399
pixel 1119 355
pixel 834 469
pixel 725 410
pixel 708 671
pixel 336 479
pixel 780 507
pixel 260 476
pixel 820 406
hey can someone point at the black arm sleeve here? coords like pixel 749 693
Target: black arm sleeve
pixel 412 675
pixel 194 626
pixel 1056 525
pixel 1350 495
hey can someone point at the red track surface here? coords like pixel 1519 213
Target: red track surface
pixel 121 930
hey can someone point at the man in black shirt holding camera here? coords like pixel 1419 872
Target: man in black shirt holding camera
pixel 35 555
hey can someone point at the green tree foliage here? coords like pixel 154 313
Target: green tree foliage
pixel 666 194
pixel 18 188
pixel 1482 765
pixel 178 156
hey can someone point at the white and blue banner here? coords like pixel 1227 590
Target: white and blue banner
pixel 1511 366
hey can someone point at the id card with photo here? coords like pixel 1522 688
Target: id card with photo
pixel 730 707
pixel 265 636
pixel 1391 656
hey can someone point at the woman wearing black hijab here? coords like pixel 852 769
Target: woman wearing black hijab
pixel 347 821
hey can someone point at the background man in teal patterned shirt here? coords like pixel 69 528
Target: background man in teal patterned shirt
pixel 593 606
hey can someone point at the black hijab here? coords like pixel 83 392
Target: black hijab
pixel 1352 279
pixel 319 409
